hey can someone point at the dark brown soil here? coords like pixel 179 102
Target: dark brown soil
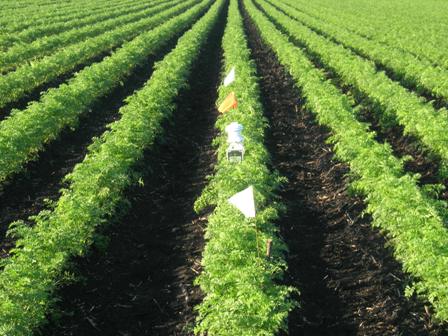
pixel 26 193
pixel 142 284
pixel 350 283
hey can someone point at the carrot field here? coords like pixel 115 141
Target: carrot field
pixel 223 167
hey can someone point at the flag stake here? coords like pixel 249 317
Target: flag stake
pixel 256 239
pixel 268 247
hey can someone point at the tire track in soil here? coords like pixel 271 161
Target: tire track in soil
pixel 25 194
pixel 142 284
pixel 349 281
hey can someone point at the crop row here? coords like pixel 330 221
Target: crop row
pixel 396 103
pixel 423 40
pixel 28 77
pixel 25 132
pixel 31 275
pixel 31 8
pixel 394 200
pixel 16 24
pixel 21 53
pixel 242 296
pixel 416 72
pixel 38 11
pixel 22 4
pixel 34 10
pixel 35 32
pixel 413 27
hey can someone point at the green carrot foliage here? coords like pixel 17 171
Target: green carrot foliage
pixel 243 296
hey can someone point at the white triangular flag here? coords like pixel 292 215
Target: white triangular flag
pixel 230 77
pixel 244 201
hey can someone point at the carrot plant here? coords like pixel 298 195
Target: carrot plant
pixel 242 292
pixel 16 23
pixel 97 184
pixel 415 72
pixel 421 36
pixel 24 51
pixel 396 104
pixel 398 206
pixel 27 77
pixel 26 132
pixel 55 28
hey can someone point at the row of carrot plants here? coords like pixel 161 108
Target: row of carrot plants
pixel 415 72
pixel 16 23
pixel 46 7
pixel 31 8
pixel 23 4
pixel 31 275
pixel 25 26
pixel 38 12
pixel 15 85
pixel 397 205
pixel 53 29
pixel 242 293
pixel 25 132
pixel 425 41
pixel 22 53
pixel 397 104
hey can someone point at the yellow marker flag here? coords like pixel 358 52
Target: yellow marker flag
pixel 229 103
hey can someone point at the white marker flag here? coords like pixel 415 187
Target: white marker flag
pixel 230 77
pixel 244 201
